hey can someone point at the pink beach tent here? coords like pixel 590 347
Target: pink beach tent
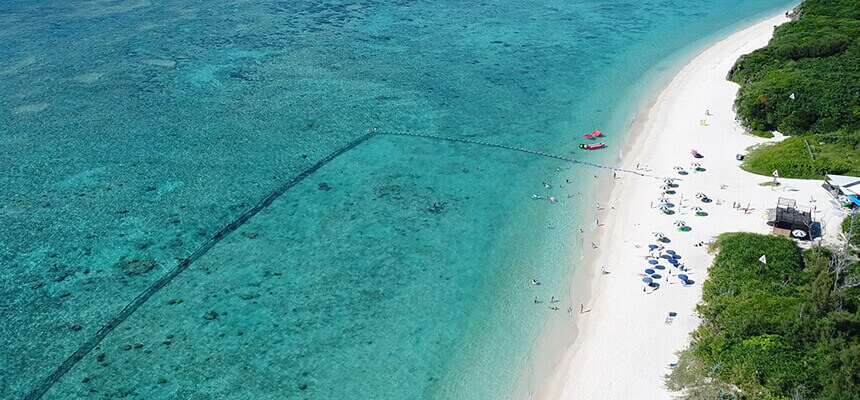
pixel 597 133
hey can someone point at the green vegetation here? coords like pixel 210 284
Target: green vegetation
pixel 806 82
pixel 761 134
pixel 791 157
pixel 782 330
pixel 766 184
pixel 848 231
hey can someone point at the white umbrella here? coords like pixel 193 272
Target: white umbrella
pixel 668 181
pixel 696 209
pixel 695 165
pixel 701 195
pixel 680 224
pixel 679 168
pixel 659 235
pixel 664 208
pixel 665 188
pixel 663 200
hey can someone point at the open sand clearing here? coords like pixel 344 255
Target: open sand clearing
pixel 626 342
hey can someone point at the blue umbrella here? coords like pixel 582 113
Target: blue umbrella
pixel 677 257
pixel 656 276
pixel 652 246
pixel 673 261
pixel 649 271
pixel 659 267
pixel 647 280
pixel 652 262
pixel 682 277
pixel 672 252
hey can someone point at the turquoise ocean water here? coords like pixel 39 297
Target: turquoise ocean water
pixel 132 131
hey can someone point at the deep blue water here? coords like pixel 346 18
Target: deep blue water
pixel 132 131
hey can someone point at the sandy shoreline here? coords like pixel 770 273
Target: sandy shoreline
pixel 625 343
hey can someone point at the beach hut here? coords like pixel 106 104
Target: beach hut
pixel 789 217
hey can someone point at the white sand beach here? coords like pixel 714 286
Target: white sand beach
pixel 625 342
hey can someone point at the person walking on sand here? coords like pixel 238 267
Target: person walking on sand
pixel 535 300
pixel 581 308
pixel 552 299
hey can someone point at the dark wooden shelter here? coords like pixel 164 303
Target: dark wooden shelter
pixel 789 217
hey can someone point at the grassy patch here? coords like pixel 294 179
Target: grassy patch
pixel 792 159
pixel 761 134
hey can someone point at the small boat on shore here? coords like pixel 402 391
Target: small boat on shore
pixel 592 146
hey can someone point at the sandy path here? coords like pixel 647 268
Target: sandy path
pixel 624 345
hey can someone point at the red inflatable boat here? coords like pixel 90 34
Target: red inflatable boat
pixel 592 146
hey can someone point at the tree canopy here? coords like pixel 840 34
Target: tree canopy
pixel 806 82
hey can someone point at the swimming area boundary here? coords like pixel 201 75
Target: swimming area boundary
pixel 46 383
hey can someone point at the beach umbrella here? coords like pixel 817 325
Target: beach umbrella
pixel 659 267
pixel 668 181
pixel 682 277
pixel 652 262
pixel 680 224
pixel 672 252
pixel 663 200
pixel 656 276
pixel 664 208
pixel 665 188
pixel 678 168
pixel 647 280
pixel 695 164
pixel 649 271
pixel 653 246
pixel 696 209
pixel 659 236
pixel 672 261
pixel 701 195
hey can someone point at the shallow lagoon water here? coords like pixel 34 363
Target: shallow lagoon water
pixel 132 131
